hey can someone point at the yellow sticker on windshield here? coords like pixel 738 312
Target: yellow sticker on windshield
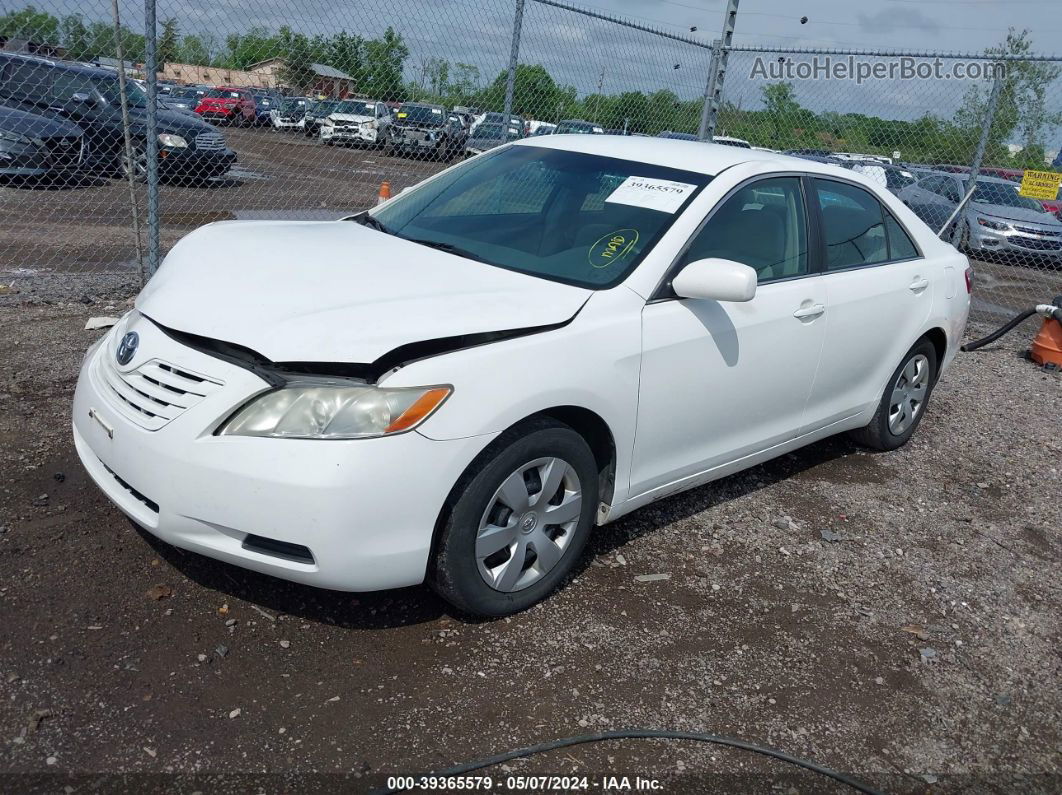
pixel 613 247
pixel 402 115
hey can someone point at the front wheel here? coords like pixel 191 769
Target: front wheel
pixel 135 167
pixel 904 403
pixel 517 520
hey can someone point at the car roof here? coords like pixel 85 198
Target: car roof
pixel 67 66
pixel 698 156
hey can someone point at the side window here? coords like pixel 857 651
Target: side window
pixel 932 184
pixel 67 84
pixel 29 80
pixel 763 226
pixel 900 244
pixel 950 192
pixel 852 224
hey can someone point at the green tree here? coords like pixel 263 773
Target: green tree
pixel 75 36
pixel 535 94
pixel 30 23
pixel 193 51
pixel 168 43
pixel 297 71
pixel 385 59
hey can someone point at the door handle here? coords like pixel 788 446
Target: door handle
pixel 918 285
pixel 809 312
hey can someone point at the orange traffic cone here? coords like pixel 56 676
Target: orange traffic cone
pixel 385 192
pixel 1047 346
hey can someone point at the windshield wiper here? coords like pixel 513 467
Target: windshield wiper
pixel 367 220
pixel 449 248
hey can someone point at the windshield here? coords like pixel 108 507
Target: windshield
pixel 569 217
pixel 496 132
pixel 108 89
pixel 355 108
pixel 186 93
pixel 293 104
pixel 421 113
pixel 1001 195
pixel 324 107
pixel 219 93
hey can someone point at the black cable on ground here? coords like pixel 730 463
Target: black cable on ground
pixel 645 734
pixel 995 335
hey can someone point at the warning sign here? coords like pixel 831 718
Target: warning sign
pixel 1040 184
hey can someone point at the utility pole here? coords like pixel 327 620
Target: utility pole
pixel 514 57
pixel 713 91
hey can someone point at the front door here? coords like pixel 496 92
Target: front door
pixel 721 381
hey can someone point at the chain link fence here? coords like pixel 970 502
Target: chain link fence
pixel 269 110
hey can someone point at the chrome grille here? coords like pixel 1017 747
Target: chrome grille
pixel 1030 230
pixel 154 393
pixel 209 141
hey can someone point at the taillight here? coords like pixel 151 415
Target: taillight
pixel 969 280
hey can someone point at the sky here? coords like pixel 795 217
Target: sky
pixel 589 53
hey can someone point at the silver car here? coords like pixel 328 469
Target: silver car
pixel 996 220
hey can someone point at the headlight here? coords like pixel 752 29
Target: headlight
pixel 328 123
pixel 172 141
pixel 14 138
pixel 994 225
pixel 322 409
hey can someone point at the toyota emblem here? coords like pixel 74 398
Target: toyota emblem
pixel 127 348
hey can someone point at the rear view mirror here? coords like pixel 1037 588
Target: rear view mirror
pixel 716 279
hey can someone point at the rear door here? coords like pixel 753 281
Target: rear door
pixel 879 289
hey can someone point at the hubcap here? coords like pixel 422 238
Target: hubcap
pixel 139 162
pixel 528 524
pixel 908 394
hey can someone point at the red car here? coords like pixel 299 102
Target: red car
pixel 227 104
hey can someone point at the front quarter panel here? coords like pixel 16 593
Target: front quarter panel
pixel 592 363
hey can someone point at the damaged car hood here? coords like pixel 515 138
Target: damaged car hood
pixel 338 291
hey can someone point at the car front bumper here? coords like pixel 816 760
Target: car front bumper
pixel 1015 243
pixel 355 134
pixel 364 511
pixel 190 162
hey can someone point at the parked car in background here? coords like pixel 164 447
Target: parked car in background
pixel 535 127
pixel 894 178
pixel 488 136
pixel 264 102
pixel 500 118
pixel 229 105
pixel 188 147
pixel 425 131
pixel 316 112
pixel 578 127
pixel 1053 206
pixel 678 136
pixel 357 121
pixel 996 220
pixel 457 385
pixel 727 140
pixel 36 146
pixel 185 97
pixel 291 114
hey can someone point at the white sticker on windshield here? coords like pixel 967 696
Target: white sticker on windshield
pixel 436 111
pixel 653 194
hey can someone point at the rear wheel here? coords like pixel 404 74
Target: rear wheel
pixel 904 402
pixel 517 520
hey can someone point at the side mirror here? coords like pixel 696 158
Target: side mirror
pixel 81 98
pixel 716 279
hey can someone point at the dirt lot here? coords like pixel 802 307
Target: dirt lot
pixel 921 645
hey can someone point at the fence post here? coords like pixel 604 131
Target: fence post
pixel 990 116
pixel 151 145
pixel 514 56
pixel 717 72
pixel 134 205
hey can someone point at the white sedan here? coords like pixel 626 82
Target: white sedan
pixel 458 385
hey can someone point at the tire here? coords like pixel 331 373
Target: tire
pixel 139 160
pixel 499 571
pixel 895 421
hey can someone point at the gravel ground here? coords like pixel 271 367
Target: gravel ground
pixel 895 616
